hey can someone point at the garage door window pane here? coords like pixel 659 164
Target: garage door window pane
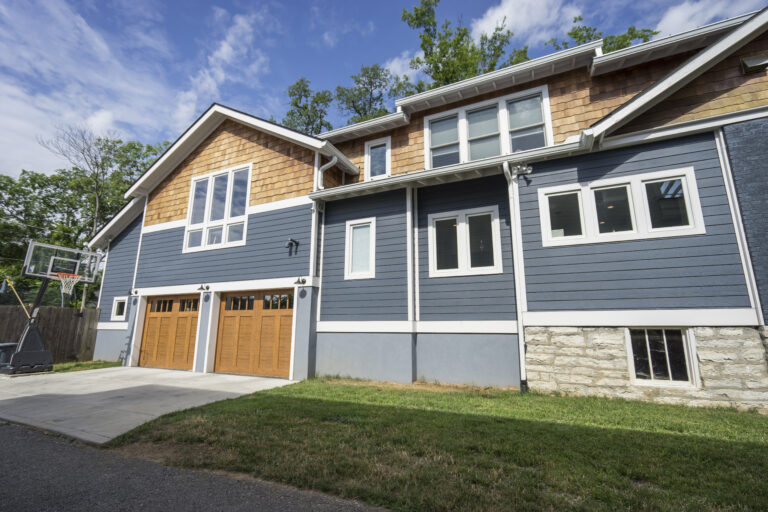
pixel 361 249
pixel 564 215
pixel 267 302
pixel 480 241
pixel 666 203
pixel 446 244
pixel 613 211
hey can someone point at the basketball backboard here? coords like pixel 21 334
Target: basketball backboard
pixel 45 261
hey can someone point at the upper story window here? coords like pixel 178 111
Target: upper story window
pixel 466 242
pixel 378 159
pixel 475 132
pixel 218 210
pixel 653 205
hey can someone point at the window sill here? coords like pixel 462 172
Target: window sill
pixel 213 248
pixel 666 384
pixel 625 237
pixel 359 278
pixel 464 273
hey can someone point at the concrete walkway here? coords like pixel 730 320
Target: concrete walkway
pixel 99 405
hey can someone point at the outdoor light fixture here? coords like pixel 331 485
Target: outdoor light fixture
pixel 301 280
pixel 204 288
pixel 522 169
pixel 291 243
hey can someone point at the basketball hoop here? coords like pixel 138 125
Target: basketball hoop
pixel 68 282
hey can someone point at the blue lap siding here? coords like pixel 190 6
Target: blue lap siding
pixel 121 262
pixel 264 256
pixel 480 297
pixel 748 153
pixel 700 271
pixel 384 297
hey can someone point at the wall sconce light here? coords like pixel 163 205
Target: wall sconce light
pixel 292 242
pixel 204 288
pixel 301 280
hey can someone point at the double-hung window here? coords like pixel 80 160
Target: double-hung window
pixel 360 249
pixel 516 122
pixel 466 242
pixel 653 205
pixel 218 210
pixel 378 159
pixel 661 356
pixel 119 309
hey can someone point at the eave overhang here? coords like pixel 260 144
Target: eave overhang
pixel 119 222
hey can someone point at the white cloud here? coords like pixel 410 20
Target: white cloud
pixel 532 21
pixel 693 14
pixel 401 64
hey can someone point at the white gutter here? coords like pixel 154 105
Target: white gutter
pixel 321 170
pixel 386 122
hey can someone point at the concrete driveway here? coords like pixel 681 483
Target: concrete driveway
pixel 99 405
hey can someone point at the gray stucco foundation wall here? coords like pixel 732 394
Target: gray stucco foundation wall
pixel 474 359
pixel 375 356
pixel 748 155
pixel 305 337
pixel 109 345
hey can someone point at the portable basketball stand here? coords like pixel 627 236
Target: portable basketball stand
pixel 30 354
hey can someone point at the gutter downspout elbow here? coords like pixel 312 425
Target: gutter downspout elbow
pixel 324 168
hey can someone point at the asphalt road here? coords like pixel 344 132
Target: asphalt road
pixel 44 472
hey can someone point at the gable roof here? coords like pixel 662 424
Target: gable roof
pixel 118 223
pixel 678 78
pixel 206 124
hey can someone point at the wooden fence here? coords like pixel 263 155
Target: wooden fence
pixel 69 336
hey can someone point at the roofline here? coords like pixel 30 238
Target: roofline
pixel 569 53
pixel 673 39
pixel 313 143
pixel 691 69
pixel 99 238
pixel 399 118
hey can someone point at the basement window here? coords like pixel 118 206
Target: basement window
pixel 218 205
pixel 660 356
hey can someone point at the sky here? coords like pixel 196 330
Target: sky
pixel 145 70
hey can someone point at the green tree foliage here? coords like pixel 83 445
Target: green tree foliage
pixel 581 34
pixel 308 108
pixel 373 88
pixel 450 53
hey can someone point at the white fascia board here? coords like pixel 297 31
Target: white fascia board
pixel 588 49
pixel 386 122
pixel 226 286
pixel 117 224
pixel 691 69
pixel 643 318
pixel 603 63
pixel 369 187
pixel 205 125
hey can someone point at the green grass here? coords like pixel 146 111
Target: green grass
pixel 426 448
pixel 83 365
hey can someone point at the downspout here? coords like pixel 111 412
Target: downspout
pixel 322 169
pixel 518 265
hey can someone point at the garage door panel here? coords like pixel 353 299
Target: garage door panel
pixel 284 347
pixel 267 344
pixel 244 342
pixel 170 331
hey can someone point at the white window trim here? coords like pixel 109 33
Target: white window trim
pixel 691 359
pixel 378 142
pixel 206 224
pixel 462 235
pixel 371 273
pixel 503 123
pixel 641 216
pixel 114 317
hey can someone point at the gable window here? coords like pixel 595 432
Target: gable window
pixel 119 309
pixel 516 122
pixel 466 242
pixel 217 210
pixel 660 356
pixel 378 159
pixel 653 205
pixel 360 249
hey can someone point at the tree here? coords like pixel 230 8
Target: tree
pixel 373 87
pixel 581 34
pixel 451 54
pixel 308 108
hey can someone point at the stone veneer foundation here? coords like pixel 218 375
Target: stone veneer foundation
pixel 732 365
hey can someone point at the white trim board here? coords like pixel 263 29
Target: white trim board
pixel 643 317
pixel 422 327
pixel 225 286
pixel 163 226
pixel 112 326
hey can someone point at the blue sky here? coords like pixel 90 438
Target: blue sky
pixel 144 70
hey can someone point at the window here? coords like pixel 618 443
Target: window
pixel 636 207
pixel 661 356
pixel 360 257
pixel 378 160
pixel 218 210
pixel 517 122
pixel 465 242
pixel 119 309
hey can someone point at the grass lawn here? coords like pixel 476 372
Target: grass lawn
pixel 426 447
pixel 83 365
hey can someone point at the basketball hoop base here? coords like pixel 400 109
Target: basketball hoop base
pixel 30 354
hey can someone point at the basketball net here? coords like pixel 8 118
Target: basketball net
pixel 68 282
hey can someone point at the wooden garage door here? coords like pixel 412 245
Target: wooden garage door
pixel 254 334
pixel 170 328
